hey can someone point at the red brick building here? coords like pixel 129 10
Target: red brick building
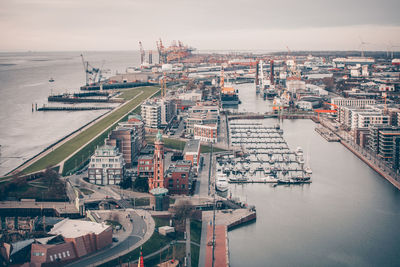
pixel 81 238
pixel 206 132
pixel 178 179
pixel 145 166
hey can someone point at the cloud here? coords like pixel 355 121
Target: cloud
pixel 120 24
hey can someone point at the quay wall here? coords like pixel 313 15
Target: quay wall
pixel 373 166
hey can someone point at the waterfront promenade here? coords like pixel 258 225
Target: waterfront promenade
pixel 372 160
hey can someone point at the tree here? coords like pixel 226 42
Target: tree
pixel 183 210
pixel 141 184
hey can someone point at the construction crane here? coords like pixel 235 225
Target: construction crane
pixel 142 54
pixel 318 111
pixel 362 46
pixel 91 72
pixel 162 56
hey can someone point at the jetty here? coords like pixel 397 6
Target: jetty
pixel 47 108
pixel 327 134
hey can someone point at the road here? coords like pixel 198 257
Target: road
pixel 141 231
pixel 188 242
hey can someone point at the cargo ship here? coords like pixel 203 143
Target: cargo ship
pixel 228 95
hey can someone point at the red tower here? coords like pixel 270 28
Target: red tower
pixel 158 160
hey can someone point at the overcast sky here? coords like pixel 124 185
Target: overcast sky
pixel 205 24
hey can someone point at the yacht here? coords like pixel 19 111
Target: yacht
pixel 221 183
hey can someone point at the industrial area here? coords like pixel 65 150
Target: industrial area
pixel 150 182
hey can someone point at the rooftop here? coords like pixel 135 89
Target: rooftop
pixel 192 146
pixel 75 228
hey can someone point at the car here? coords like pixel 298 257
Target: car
pixel 114 239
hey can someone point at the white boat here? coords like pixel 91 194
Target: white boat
pixel 221 183
pixel 300 159
pixel 299 151
pixel 308 170
pixel 267 169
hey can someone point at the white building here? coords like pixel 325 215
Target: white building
pixel 157 112
pixel 295 84
pixel 304 105
pixel 362 119
pixel 106 166
pixel 151 114
pixel 352 102
pixel 386 88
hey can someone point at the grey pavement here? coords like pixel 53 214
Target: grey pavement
pixel 188 241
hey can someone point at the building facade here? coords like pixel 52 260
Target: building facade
pixel 106 166
pixel 158 164
pixel 206 133
pixel 192 153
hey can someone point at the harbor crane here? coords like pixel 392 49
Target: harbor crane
pixel 92 74
pixel 142 54
pixel 318 111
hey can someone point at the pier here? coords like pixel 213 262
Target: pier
pixel 225 220
pixel 327 134
pixel 47 108
pixel 268 158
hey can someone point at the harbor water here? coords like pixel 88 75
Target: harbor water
pixel 347 216
pixel 25 81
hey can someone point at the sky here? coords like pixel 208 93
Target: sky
pixel 70 25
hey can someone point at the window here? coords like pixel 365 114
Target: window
pixel 68 253
pixel 63 254
pixel 183 186
pixel 55 256
pixel 51 258
pixel 59 255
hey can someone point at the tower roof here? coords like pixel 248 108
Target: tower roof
pixel 159 136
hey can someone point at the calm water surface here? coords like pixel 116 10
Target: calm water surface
pixel 24 80
pixel 348 216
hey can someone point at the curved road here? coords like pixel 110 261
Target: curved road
pixel 118 249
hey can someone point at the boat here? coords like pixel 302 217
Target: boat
pixel 308 170
pixel 221 183
pixel 288 181
pixel 267 169
pixel 51 80
pixel 270 93
pixel 228 95
pixel 300 159
pixel 299 151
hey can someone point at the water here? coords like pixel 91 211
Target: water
pixel 348 216
pixel 24 80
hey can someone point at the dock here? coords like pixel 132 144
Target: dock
pixel 267 158
pixel 231 217
pixel 327 134
pixel 225 220
pixel 47 108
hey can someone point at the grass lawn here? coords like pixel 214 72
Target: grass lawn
pixel 62 152
pixel 39 189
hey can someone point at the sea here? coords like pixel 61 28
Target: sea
pixel 348 216
pixel 25 83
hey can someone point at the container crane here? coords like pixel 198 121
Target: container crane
pixel 142 53
pixel 91 72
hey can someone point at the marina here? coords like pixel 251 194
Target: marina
pixel 266 158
